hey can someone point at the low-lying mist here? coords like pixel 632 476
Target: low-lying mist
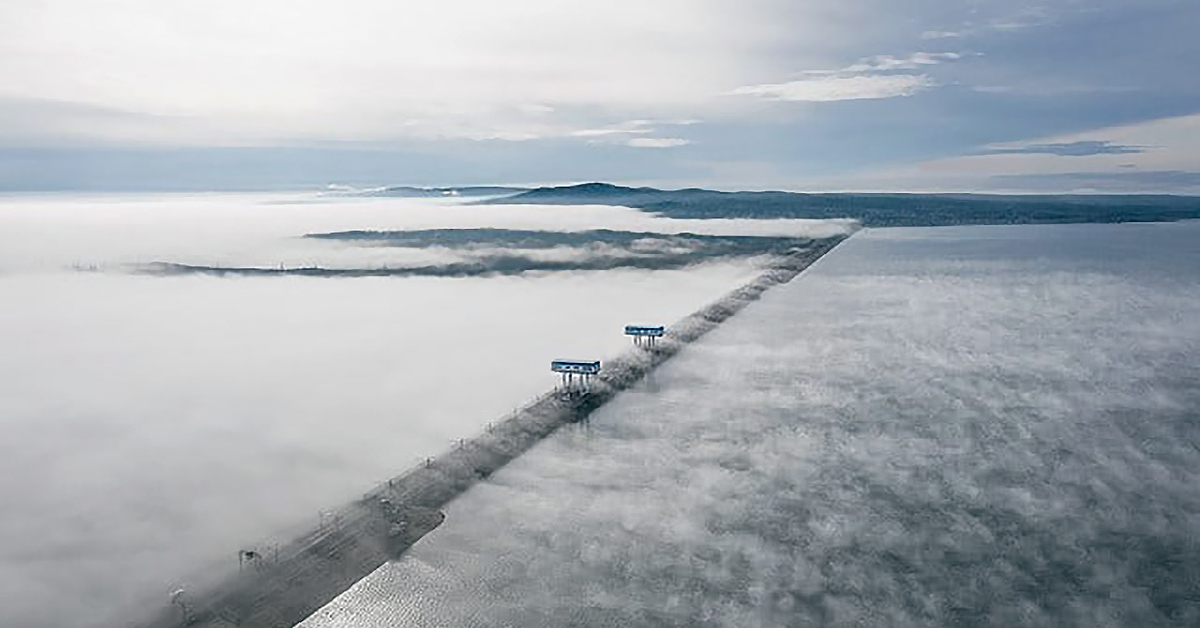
pixel 483 252
pixel 931 427
pixel 151 426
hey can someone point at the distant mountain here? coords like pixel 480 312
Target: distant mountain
pixel 586 190
pixel 872 210
pixel 403 191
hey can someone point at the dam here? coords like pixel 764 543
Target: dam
pixel 281 587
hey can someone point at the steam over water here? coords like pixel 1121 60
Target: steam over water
pixel 931 427
pixel 152 426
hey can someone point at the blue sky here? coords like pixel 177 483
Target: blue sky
pixel 983 95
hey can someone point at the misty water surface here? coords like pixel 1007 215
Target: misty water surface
pixel 152 426
pixel 931 427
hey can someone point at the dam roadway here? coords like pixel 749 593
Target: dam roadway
pixel 282 587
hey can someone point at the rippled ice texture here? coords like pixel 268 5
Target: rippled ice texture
pixel 931 427
pixel 152 426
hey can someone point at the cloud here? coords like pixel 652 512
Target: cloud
pixel 1082 148
pixel 266 72
pixel 657 142
pixel 620 134
pixel 884 63
pixel 946 34
pixel 624 128
pixel 832 88
pixel 1026 18
pixel 541 86
pixel 870 78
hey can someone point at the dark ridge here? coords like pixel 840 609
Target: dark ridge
pixel 586 189
pixel 522 239
pixel 598 250
pixel 283 587
pixel 484 266
pixel 873 210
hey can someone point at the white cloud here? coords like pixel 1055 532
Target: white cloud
pixel 621 134
pixel 831 88
pixel 870 78
pixel 947 34
pixel 299 70
pixel 624 128
pixel 884 63
pixel 606 132
pixel 657 142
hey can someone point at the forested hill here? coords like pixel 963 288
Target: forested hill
pixel 873 210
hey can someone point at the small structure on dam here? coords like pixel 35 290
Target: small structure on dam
pixel 576 374
pixel 645 336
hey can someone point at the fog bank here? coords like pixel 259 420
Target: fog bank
pixel 152 426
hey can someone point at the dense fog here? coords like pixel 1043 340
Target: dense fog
pixel 931 427
pixel 152 426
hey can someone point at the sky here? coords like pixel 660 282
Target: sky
pixel 925 95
